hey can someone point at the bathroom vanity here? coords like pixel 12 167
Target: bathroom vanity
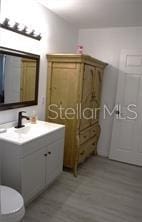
pixel 31 157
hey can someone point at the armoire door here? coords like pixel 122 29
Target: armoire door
pixel 96 93
pixel 63 88
pixel 63 94
pixel 126 143
pixel 86 97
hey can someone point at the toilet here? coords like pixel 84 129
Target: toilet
pixel 11 205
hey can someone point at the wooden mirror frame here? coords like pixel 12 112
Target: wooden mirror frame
pixel 35 57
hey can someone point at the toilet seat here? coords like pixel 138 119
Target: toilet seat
pixel 12 205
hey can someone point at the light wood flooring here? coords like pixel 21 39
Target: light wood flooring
pixel 104 191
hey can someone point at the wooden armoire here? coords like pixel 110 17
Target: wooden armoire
pixel 73 99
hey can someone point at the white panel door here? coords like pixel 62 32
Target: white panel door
pixel 126 142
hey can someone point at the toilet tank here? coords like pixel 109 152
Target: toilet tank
pixel 0 169
pixel 0 166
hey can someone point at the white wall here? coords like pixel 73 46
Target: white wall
pixel 106 44
pixel 57 36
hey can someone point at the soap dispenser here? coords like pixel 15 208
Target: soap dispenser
pixel 33 117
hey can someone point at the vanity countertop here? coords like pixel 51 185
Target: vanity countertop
pixel 29 132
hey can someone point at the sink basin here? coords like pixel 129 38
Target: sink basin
pixel 24 130
pixel 29 132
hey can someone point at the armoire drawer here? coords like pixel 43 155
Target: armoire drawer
pixel 84 136
pixel 91 132
pixel 95 131
pixel 82 155
pixel 91 147
pixel 86 149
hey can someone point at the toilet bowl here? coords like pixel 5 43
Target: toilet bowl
pixel 11 205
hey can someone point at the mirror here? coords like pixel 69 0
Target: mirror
pixel 19 74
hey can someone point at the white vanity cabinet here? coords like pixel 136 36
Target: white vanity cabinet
pixel 30 167
pixel 41 168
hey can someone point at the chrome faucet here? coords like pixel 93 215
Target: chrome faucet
pixel 20 117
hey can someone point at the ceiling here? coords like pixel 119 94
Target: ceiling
pixel 98 13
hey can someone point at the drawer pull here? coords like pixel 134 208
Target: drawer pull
pixel 45 154
pixel 49 153
pixel 82 153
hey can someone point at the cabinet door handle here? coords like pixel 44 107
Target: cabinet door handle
pixel 45 154
pixel 49 153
